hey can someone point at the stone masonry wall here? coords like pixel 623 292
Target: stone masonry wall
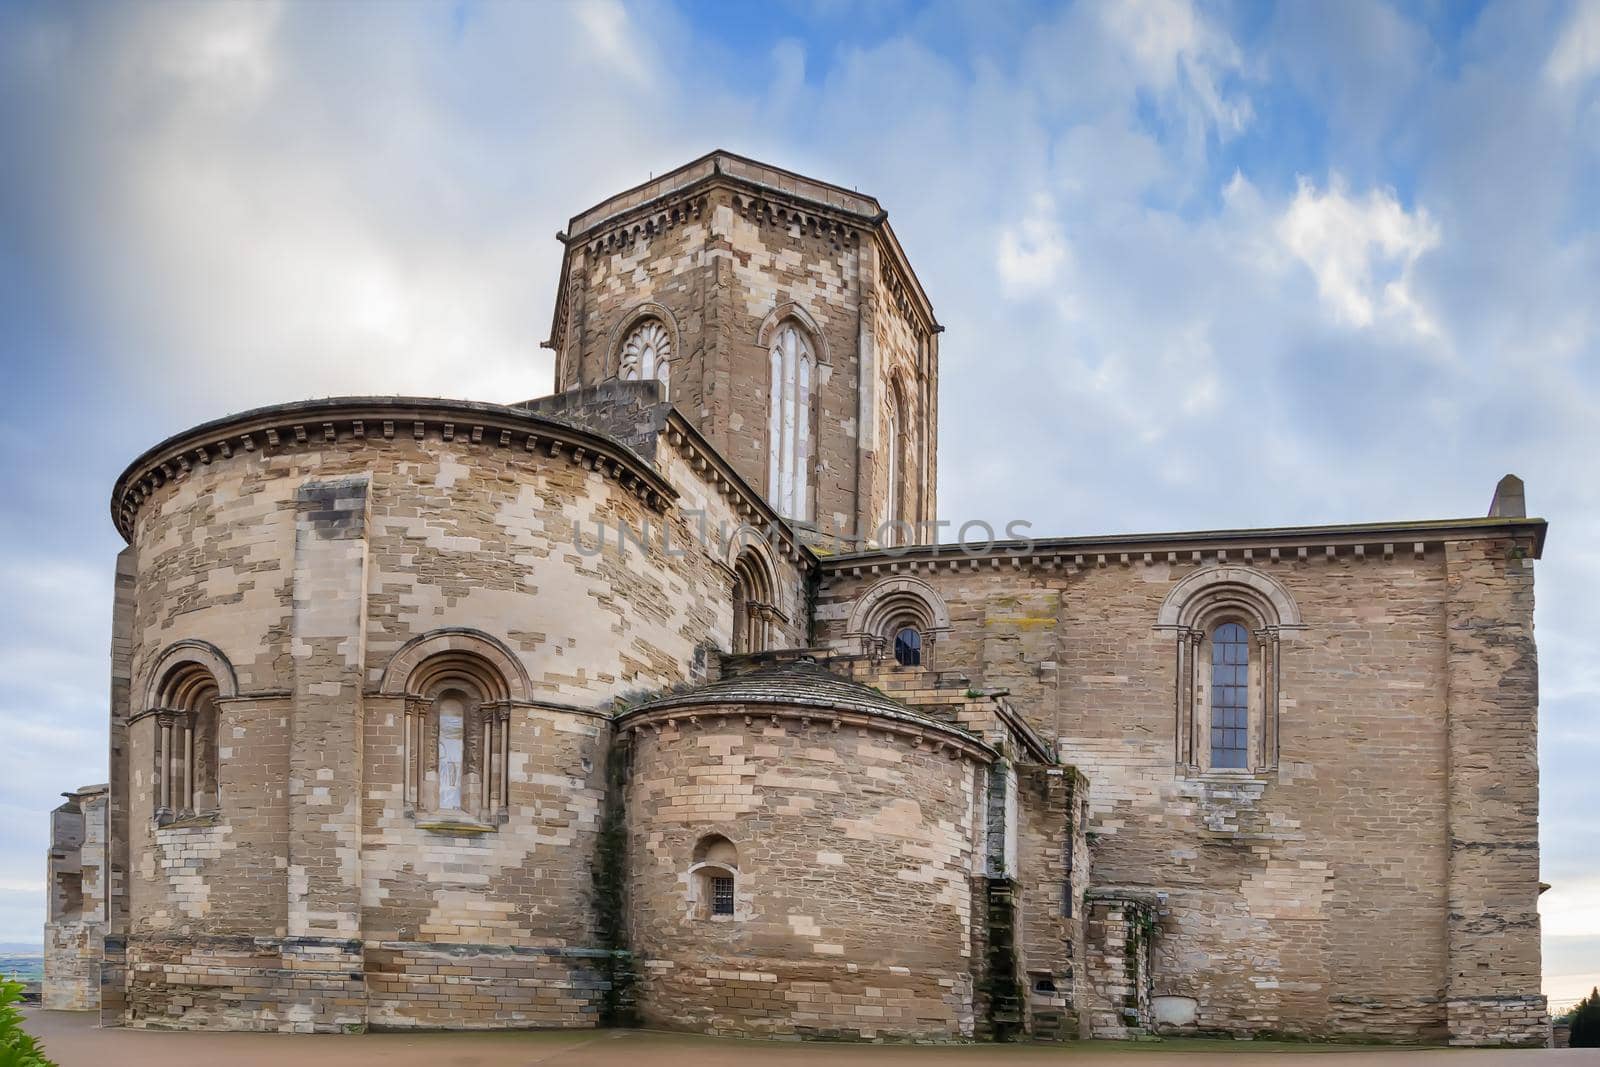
pixel 1118 981
pixel 1309 900
pixel 74 934
pixel 308 566
pixel 855 856
pixel 1053 874
pixel 1493 693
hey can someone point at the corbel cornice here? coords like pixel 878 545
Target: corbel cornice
pixel 1271 546
pixel 312 424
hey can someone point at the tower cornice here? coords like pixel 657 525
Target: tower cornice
pixel 765 192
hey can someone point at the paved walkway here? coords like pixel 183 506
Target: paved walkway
pixel 73 1040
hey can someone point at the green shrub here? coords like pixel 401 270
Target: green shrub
pixel 1586 1022
pixel 17 1049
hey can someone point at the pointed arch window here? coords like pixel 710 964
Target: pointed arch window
pixel 892 447
pixel 647 355
pixel 789 422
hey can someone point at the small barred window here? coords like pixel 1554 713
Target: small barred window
pixel 722 896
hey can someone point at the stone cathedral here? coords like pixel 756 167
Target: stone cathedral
pixel 657 702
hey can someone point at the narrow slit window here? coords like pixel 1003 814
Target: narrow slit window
pixel 1230 696
pixel 452 728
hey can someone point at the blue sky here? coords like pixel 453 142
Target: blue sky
pixel 1201 266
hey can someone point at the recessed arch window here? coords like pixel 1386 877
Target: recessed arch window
pixel 892 449
pixel 753 610
pixel 901 462
pixel 451 706
pixel 714 878
pixel 186 743
pixel 1230 624
pixel 908 646
pixel 903 618
pixel 792 366
pixel 646 355
pixel 456 741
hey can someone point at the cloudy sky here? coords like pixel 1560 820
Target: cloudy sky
pixel 1201 266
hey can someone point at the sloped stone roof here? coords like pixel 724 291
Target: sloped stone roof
pixel 802 684
pixel 798 683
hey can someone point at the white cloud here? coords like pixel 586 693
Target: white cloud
pixel 1361 251
pixel 1175 50
pixel 1576 55
pixel 1032 251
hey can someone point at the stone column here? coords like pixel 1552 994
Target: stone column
pixel 165 721
pixel 503 803
pixel 188 764
pixel 486 761
pixel 1493 984
pixel 328 646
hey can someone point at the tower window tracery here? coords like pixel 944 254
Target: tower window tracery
pixel 647 355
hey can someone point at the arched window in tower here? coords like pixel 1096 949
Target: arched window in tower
pixel 646 355
pixel 908 647
pixel 1230 696
pixel 891 448
pixel 789 423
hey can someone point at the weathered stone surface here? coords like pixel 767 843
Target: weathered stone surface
pixel 75 930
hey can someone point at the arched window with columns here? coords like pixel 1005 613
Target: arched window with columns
pixel 753 608
pixel 458 721
pixel 460 688
pixel 901 619
pixel 792 364
pixel 1229 624
pixel 190 680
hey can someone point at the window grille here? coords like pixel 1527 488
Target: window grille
pixel 722 895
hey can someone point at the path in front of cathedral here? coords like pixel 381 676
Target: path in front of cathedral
pixel 73 1040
